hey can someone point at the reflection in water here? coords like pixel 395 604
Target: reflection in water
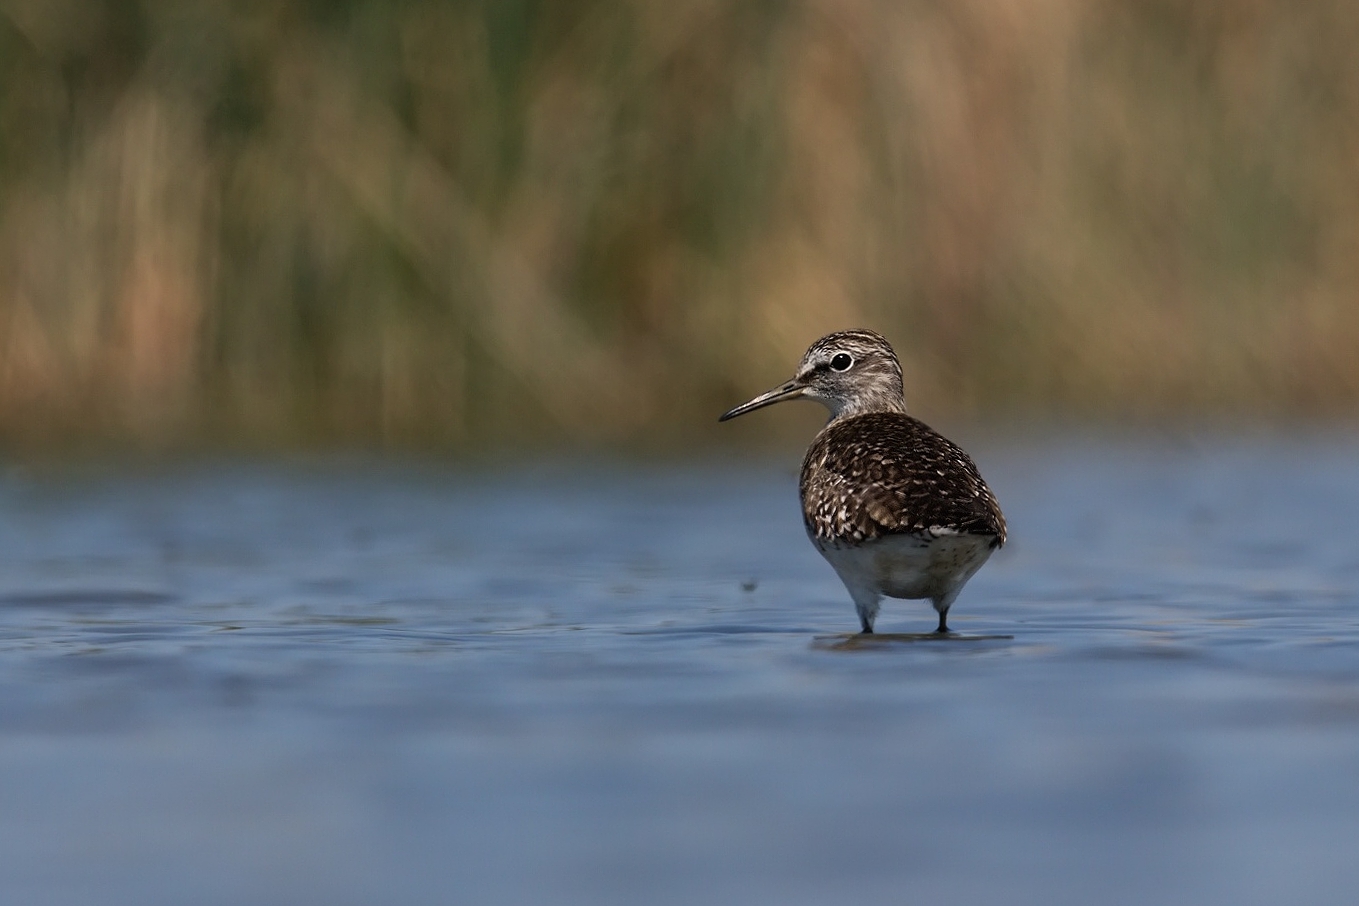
pixel 377 683
pixel 858 641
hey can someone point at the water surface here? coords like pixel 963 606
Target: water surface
pixel 356 682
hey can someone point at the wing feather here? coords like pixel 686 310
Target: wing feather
pixel 887 473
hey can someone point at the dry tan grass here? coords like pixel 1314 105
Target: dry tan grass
pixel 455 224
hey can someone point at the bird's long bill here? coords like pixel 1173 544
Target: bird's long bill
pixel 789 390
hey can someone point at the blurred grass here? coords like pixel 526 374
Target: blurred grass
pixel 500 222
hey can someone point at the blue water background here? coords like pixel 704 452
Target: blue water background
pixel 355 681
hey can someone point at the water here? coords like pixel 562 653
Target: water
pixel 356 683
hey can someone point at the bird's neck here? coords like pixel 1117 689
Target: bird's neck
pixel 884 400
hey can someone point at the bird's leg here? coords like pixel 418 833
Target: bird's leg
pixel 866 602
pixel 942 604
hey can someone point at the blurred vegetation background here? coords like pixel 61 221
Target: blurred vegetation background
pixel 469 223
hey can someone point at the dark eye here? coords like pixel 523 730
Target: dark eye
pixel 842 361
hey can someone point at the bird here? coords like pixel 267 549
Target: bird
pixel 896 508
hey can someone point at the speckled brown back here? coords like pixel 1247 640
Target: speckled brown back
pixel 887 473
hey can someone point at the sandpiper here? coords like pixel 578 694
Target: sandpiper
pixel 895 507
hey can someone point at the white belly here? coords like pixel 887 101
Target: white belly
pixel 909 566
